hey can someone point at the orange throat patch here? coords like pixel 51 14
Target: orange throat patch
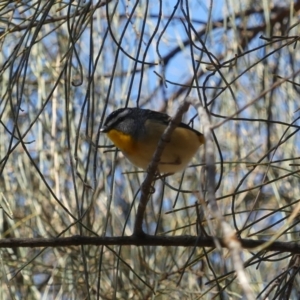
pixel 122 141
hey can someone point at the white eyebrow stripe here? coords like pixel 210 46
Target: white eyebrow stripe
pixel 116 118
pixel 123 113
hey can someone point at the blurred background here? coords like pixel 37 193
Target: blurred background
pixel 64 66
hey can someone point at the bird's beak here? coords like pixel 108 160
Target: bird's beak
pixel 104 129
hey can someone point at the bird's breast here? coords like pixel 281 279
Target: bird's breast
pixel 122 141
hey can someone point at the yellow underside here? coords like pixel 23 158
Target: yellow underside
pixel 176 155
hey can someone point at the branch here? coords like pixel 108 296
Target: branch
pixel 151 171
pixel 146 240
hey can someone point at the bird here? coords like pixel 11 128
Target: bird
pixel 136 132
